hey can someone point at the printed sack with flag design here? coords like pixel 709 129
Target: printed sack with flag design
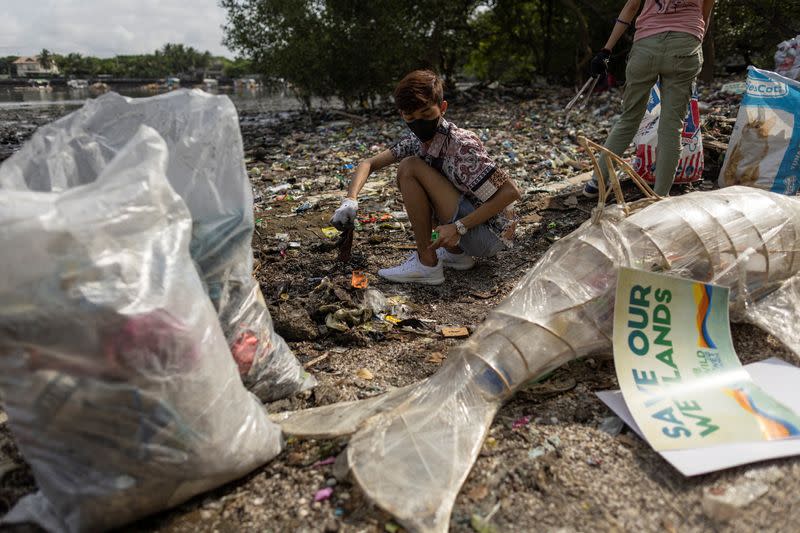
pixel 690 164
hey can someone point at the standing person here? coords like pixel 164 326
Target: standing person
pixel 667 47
pixel 445 173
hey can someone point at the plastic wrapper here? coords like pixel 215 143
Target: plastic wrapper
pixel 205 167
pixel 762 151
pixel 411 449
pixel 690 162
pixel 116 376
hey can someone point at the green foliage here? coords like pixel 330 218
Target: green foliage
pixel 170 60
pixel 352 49
pixel 519 40
pixel 237 68
pixel 7 65
pixel 752 29
pixel 45 58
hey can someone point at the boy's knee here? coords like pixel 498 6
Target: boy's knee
pixel 405 170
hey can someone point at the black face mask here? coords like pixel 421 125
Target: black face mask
pixel 424 129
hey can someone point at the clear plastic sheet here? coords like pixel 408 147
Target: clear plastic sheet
pixel 205 167
pixel 116 376
pixel 411 449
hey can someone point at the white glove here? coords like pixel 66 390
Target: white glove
pixel 345 216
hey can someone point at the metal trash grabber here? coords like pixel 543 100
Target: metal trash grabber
pixel 590 84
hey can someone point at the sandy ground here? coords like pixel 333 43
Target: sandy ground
pixel 587 479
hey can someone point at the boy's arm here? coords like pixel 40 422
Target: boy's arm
pixel 345 216
pixel 365 168
pixel 502 198
pixel 507 193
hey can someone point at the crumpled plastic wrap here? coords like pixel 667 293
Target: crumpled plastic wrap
pixel 116 376
pixel 411 449
pixel 205 167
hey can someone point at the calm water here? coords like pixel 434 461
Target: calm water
pixel 262 99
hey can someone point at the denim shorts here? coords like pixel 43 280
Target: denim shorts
pixel 479 241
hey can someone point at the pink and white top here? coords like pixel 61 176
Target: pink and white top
pixel 461 157
pixel 658 16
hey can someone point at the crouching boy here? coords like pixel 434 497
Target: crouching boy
pixel 446 174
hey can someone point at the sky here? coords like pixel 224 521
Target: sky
pixel 105 28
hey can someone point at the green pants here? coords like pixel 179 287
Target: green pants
pixel 674 58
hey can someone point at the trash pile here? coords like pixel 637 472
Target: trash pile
pixel 430 433
pixel 212 182
pixel 120 389
pixel 787 58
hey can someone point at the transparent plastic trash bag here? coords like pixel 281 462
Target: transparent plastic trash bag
pixel 116 376
pixel 205 167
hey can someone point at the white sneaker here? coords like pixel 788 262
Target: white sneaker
pixel 460 261
pixel 412 271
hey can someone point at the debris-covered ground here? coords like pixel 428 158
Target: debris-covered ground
pixel 555 459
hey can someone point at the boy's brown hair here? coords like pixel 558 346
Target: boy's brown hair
pixel 417 90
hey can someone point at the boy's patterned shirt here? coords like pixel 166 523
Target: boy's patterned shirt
pixel 460 156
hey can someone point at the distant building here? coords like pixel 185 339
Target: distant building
pixel 30 66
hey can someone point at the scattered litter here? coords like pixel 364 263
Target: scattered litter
pixel 279 188
pixel 325 462
pixel 455 332
pixel 737 87
pixel 724 503
pixel 391 527
pixel 436 358
pixel 521 422
pixel 330 232
pixel 768 474
pixel 359 280
pixel 537 452
pixel 365 374
pixel 302 208
pixel 593 461
pixel 284 237
pixel 323 494
pixel 482 525
pixel 612 425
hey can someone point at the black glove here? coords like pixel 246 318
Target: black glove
pixel 599 64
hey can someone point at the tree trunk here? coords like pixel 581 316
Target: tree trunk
pixel 583 47
pixel 707 74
